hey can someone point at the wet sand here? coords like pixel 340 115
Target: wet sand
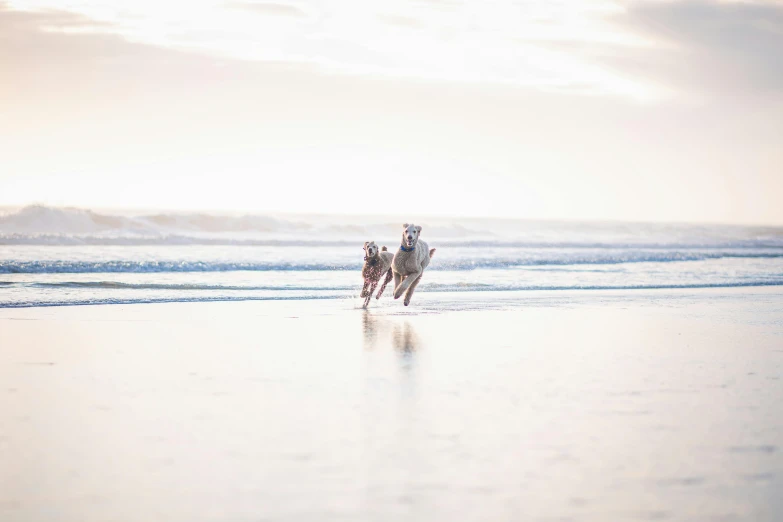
pixel 657 405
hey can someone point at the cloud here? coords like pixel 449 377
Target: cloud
pixel 32 40
pixel 51 18
pixel 400 21
pixel 268 8
pixel 696 48
pixel 707 46
pixel 78 74
pixel 469 45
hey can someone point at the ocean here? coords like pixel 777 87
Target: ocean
pixel 64 256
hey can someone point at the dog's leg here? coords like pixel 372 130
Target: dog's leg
pixel 364 289
pixel 368 292
pixel 397 283
pixel 406 284
pixel 411 288
pixel 385 282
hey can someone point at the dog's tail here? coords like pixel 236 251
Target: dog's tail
pixel 432 252
pixel 383 249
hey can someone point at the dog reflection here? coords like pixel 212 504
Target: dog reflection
pixel 405 339
pixel 378 331
pixel 371 327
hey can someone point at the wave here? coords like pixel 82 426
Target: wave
pixel 40 219
pixel 118 301
pixel 39 224
pixel 534 260
pixel 431 287
pixel 42 225
pixel 116 285
pixel 82 267
pixel 349 293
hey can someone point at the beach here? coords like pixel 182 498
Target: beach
pixel 573 201
pixel 540 405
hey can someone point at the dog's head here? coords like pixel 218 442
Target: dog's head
pixel 410 235
pixel 370 249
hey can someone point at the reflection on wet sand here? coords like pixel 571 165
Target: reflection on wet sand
pixel 379 331
pixel 405 339
pixel 370 329
pixel 380 334
pixel 406 343
pixel 391 413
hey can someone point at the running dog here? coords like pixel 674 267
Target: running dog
pixel 409 262
pixel 377 263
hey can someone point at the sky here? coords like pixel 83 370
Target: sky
pixel 643 110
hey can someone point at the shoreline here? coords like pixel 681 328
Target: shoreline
pixel 450 296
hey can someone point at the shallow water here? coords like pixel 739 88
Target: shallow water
pixel 59 275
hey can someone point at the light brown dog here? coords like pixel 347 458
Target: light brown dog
pixel 409 262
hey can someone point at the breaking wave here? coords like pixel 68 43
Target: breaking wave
pixel 42 225
pixel 535 259
pixel 431 287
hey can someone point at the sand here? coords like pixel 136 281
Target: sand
pixel 657 405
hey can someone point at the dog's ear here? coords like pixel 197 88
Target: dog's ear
pixel 418 229
pixel 405 225
pixel 365 244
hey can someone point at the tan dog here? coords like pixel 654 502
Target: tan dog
pixel 376 264
pixel 409 262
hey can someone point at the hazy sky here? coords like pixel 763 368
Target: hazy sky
pixel 566 109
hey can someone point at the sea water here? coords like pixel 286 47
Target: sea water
pixel 51 256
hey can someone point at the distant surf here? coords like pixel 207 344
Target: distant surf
pixel 42 225
pixel 62 256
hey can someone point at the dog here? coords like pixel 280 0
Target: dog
pixel 409 262
pixel 376 264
